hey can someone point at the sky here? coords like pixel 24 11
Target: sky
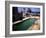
pixel 32 9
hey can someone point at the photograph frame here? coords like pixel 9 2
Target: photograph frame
pixel 7 18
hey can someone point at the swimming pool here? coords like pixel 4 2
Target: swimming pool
pixel 24 25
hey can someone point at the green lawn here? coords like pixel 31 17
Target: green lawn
pixel 24 25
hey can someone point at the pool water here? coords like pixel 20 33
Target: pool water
pixel 24 25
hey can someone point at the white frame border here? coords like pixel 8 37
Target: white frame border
pixel 23 32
